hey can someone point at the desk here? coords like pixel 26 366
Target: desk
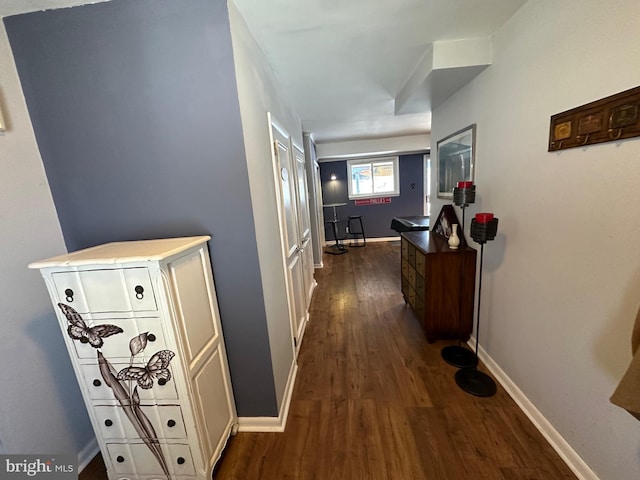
pixel 340 248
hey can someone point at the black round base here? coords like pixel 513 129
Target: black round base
pixel 458 356
pixel 473 381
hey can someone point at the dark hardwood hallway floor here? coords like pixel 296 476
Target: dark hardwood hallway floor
pixel 373 400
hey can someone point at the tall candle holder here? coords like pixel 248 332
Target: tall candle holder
pixel 457 355
pixel 484 227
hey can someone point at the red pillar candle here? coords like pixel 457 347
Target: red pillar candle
pixel 484 217
pixel 465 184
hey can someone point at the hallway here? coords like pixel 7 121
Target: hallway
pixel 373 400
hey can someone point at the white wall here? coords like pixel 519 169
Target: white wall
pixel 561 281
pixel 41 409
pixel 258 94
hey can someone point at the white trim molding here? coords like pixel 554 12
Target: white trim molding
pixel 347 241
pixel 87 454
pixel 272 424
pixel 548 431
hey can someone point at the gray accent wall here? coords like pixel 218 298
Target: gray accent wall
pixel 376 219
pixel 135 110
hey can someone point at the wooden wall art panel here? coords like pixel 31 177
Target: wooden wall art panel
pixel 609 119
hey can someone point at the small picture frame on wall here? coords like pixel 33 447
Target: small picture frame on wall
pixel 456 160
pixel 445 219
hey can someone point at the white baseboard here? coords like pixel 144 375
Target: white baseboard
pixel 87 453
pixel 329 243
pixel 557 442
pixel 382 239
pixel 312 289
pixel 272 424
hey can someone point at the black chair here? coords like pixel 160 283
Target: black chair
pixel 358 233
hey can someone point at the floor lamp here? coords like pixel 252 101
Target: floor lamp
pixel 484 227
pixel 457 355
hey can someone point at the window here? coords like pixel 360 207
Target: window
pixel 373 177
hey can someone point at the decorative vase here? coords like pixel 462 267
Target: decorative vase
pixel 454 240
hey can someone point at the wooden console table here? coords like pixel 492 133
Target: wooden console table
pixel 439 284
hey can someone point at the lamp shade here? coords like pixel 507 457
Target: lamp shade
pixel 464 195
pixel 483 231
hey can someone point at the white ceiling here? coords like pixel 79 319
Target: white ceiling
pixel 344 63
pixel 349 65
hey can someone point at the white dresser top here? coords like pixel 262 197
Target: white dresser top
pixel 123 252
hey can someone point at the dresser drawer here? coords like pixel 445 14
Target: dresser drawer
pixel 411 255
pixel 411 296
pixel 405 267
pixel 98 390
pixel 117 345
pixel 167 422
pixel 420 263
pixel 137 458
pixel 118 290
pixel 411 277
pixel 420 286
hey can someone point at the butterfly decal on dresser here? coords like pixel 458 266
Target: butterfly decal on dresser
pixel 157 367
pixel 78 329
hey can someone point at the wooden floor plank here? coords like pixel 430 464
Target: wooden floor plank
pixel 373 400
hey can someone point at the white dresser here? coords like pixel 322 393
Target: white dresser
pixel 141 324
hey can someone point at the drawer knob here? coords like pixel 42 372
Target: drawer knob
pixel 96 382
pixel 151 337
pixel 119 459
pixel 139 292
pixel 108 422
pixel 181 460
pixel 69 295
pixel 162 381
pixel 171 423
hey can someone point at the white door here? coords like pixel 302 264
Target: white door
pixel 304 227
pixel 285 168
pixel 319 212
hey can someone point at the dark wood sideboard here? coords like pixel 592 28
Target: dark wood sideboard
pixel 439 284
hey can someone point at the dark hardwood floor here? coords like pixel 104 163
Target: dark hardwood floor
pixel 373 400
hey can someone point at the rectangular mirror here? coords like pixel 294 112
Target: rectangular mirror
pixel 456 157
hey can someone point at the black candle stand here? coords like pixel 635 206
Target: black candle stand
pixel 457 355
pixel 470 379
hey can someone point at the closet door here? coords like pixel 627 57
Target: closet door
pixel 286 171
pixel 304 227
